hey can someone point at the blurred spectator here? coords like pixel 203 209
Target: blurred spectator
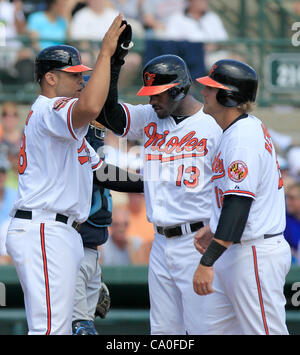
pixel 10 121
pixel 91 23
pixel 13 56
pixel 292 231
pixel 293 158
pixel 120 248
pixel 12 179
pixel 282 141
pixel 132 12
pixel 139 224
pixel 197 24
pixel 129 8
pixel 156 13
pixel 7 195
pixel 49 27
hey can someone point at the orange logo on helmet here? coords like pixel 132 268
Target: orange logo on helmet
pixel 149 78
pixel 214 67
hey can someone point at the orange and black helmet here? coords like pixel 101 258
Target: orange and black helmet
pixel 59 57
pixel 166 72
pixel 236 80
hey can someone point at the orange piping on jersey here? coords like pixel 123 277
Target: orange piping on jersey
pixel 217 197
pixel 48 305
pixel 98 164
pixel 128 120
pixel 259 290
pixel 240 192
pixel 28 117
pixel 69 120
pixel 172 158
pixel 83 146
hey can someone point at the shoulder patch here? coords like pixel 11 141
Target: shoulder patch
pixel 237 171
pixel 61 103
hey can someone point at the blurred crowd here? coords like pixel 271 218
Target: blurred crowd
pixel 184 27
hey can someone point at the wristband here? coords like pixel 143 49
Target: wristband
pixel 212 253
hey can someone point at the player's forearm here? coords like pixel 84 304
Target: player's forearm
pixel 94 95
pixel 113 178
pixel 233 218
pixel 112 115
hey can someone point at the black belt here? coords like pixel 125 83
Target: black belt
pixel 176 231
pixel 59 218
pixel 266 236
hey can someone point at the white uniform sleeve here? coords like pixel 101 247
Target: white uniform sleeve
pixel 136 116
pixel 95 160
pixel 57 120
pixel 241 172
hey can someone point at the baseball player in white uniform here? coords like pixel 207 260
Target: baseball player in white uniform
pixel 55 182
pixel 179 143
pixel 242 271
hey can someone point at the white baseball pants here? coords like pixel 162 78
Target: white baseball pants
pixel 248 282
pixel 175 309
pixel 47 257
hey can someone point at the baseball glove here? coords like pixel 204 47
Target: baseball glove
pixel 123 46
pixel 103 304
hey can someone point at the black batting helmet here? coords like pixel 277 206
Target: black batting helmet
pixel 236 80
pixel 166 72
pixel 60 57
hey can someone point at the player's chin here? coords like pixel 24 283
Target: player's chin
pixel 162 114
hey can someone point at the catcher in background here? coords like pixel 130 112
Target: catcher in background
pixel 91 295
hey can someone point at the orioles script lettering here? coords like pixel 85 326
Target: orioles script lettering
pixel 160 142
pixel 218 168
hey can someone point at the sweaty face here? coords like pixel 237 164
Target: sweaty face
pixel 69 84
pixel 163 104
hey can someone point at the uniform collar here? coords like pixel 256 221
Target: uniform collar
pixel 243 115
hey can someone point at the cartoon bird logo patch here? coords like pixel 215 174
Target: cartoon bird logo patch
pixel 237 171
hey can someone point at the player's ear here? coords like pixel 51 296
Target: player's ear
pixel 51 78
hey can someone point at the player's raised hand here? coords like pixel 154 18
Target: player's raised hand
pixel 110 40
pixel 203 238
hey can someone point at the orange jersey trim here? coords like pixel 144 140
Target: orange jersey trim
pixel 48 305
pixel 97 165
pixel 262 308
pixel 69 120
pixel 172 158
pixel 128 120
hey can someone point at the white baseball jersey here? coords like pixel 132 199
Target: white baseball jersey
pixel 177 163
pixel 245 164
pixel 55 161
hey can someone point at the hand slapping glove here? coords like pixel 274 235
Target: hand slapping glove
pixel 123 46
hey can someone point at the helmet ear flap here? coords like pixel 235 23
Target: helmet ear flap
pixel 176 94
pixel 226 98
